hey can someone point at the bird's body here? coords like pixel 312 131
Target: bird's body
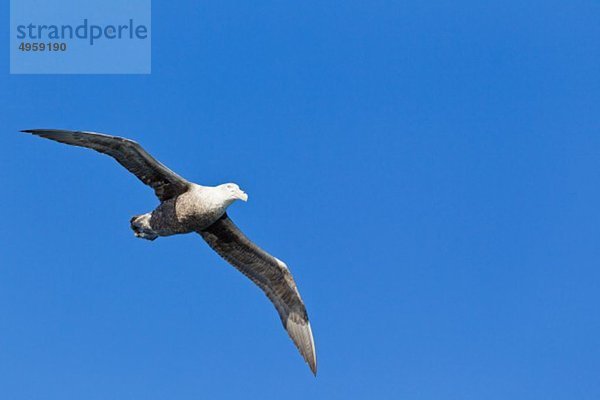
pixel 186 207
pixel 192 211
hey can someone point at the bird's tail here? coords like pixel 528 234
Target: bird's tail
pixel 140 224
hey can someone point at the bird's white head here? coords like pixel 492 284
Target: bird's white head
pixel 232 192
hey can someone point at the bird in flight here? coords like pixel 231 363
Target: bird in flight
pixel 187 207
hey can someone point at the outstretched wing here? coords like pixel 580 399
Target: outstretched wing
pixel 131 155
pixel 271 275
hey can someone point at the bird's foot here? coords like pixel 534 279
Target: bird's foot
pixel 145 235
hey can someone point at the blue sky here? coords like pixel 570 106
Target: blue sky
pixel 429 170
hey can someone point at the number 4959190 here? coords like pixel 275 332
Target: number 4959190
pixel 25 46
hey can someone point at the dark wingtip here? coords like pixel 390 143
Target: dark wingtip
pixel 41 130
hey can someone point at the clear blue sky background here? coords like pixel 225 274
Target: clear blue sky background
pixel 430 170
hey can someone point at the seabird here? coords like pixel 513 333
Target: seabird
pixel 186 207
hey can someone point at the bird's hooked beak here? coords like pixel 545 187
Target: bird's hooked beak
pixel 242 195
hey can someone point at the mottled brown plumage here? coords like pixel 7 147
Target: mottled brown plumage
pixel 188 207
